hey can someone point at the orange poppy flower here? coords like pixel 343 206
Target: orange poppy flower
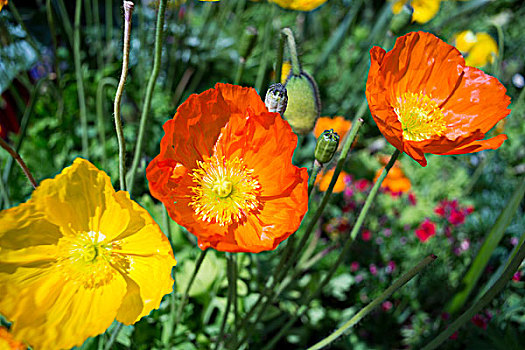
pixel 424 98
pixel 395 181
pixel 324 181
pixel 339 124
pixel 225 172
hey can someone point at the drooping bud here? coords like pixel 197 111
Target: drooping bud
pixel 304 105
pixel 326 146
pixel 402 19
pixel 276 98
pixel 247 44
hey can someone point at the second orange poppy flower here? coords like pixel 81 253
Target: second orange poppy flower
pixel 424 98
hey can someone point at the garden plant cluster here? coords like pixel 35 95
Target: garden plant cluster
pixel 262 174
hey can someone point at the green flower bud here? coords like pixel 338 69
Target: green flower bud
pixel 276 98
pixel 304 105
pixel 247 44
pixel 326 146
pixel 402 19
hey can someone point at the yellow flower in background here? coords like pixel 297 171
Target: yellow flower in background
pixel 299 5
pixel 424 10
pixel 285 70
pixel 76 256
pixel 478 49
pixel 2 4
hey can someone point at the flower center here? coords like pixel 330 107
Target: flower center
pixel 225 190
pixel 88 259
pixel 420 117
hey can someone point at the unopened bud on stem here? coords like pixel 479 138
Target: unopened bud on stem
pixel 326 146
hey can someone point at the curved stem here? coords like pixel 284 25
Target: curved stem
pixel 350 238
pixel 20 162
pixel 400 282
pixel 296 66
pixel 149 92
pixel 316 167
pixel 128 11
pixel 100 112
pixel 80 81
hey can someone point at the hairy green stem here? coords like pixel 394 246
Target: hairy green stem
pixel 279 60
pixel 316 167
pixel 80 81
pixel 400 282
pixel 350 238
pixel 149 92
pixel 296 66
pixel 128 12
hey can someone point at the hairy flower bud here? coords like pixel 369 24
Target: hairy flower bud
pixel 304 105
pixel 326 146
pixel 276 98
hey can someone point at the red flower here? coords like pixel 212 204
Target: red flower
pixel 412 198
pixel 424 99
pixel 366 235
pixel 362 185
pixel 225 172
pixel 426 230
pixel 480 321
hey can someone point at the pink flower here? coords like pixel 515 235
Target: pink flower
pixel 391 266
pixel 426 230
pixel 412 198
pixel 366 235
pixel 362 185
pixel 354 266
pixel 387 305
pixel 373 269
pixel 480 321
pixel 517 276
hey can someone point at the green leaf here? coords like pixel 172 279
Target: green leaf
pixel 491 242
pixel 208 273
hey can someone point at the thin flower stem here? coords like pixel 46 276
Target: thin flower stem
pixel 267 36
pixel 128 12
pixel 98 34
pixel 100 113
pixel 149 92
pixel 281 272
pixel 20 162
pixel 350 238
pixel 231 285
pixel 66 23
pixel 296 66
pixel 80 81
pixel 52 32
pixel 109 28
pixel 279 60
pixel 234 296
pixel 240 70
pixel 509 271
pixel 316 167
pixel 187 290
pixel 400 282
pixel 113 337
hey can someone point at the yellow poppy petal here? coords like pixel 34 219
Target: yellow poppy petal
pixel 483 51
pixel 299 5
pixel 464 40
pixel 424 10
pixel 75 198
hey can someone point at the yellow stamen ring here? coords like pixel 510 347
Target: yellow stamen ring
pixel 225 190
pixel 420 117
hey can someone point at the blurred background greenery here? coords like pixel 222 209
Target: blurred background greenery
pixel 39 114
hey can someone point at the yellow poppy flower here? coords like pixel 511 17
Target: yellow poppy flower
pixel 479 49
pixel 7 342
pixel 424 10
pixel 299 5
pixel 76 256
